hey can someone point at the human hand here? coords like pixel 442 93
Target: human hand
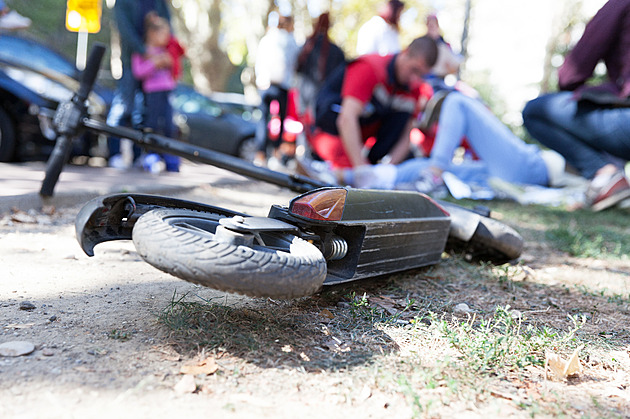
pixel 162 60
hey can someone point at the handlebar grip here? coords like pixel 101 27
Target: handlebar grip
pixel 88 76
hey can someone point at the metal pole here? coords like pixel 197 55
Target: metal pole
pixel 464 42
pixel 82 44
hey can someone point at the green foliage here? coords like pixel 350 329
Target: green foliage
pixel 348 16
pixel 503 342
pixel 121 335
pixel 49 27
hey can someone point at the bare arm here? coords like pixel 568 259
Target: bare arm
pixel 401 150
pixel 350 130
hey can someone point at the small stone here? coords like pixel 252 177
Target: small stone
pixel 462 308
pixel 16 348
pixel 48 352
pixel 52 318
pixel 27 305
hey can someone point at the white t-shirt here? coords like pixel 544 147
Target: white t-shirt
pixel 276 59
pixel 376 36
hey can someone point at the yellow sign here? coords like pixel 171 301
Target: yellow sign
pixel 83 16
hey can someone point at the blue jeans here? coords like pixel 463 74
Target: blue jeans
pixel 502 154
pixel 126 108
pixel 158 115
pixel 585 134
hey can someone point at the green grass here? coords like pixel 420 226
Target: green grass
pixel 504 342
pixel 399 335
pixel 590 241
pixel 581 233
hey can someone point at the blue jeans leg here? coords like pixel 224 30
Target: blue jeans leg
pixel 504 154
pixel 584 134
pixel 159 117
pixel 123 105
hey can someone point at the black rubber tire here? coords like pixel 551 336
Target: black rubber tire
pixel 247 149
pixel 7 138
pixel 183 243
pixel 492 241
pixel 59 156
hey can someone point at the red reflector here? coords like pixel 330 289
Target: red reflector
pixel 324 205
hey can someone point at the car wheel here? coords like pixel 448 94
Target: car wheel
pixel 7 138
pixel 247 149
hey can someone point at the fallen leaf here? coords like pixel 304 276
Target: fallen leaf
pixel 19 326
pixel 22 217
pixel 326 313
pixel 335 344
pixel 206 367
pixel 562 368
pixel 386 303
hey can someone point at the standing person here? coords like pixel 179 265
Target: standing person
pixel 317 59
pixel 275 71
pixel 373 96
pixel 155 71
pixel 380 34
pixel 129 17
pixel 448 61
pixel 589 125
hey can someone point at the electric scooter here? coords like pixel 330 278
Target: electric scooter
pixel 326 235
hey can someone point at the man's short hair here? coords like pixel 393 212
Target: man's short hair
pixel 424 46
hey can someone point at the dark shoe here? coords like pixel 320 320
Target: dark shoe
pixel 607 190
pixel 431 113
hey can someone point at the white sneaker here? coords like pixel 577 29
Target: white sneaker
pixel 13 20
pixel 555 167
pixel 117 162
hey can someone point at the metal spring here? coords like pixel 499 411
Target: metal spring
pixel 338 247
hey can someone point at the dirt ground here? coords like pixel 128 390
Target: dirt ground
pixel 100 350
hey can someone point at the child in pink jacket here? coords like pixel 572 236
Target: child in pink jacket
pixel 154 70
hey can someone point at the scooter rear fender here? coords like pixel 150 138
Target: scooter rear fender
pixel 112 217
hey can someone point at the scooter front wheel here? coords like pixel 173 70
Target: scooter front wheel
pixel 185 244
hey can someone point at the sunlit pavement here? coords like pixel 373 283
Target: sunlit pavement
pixel 20 183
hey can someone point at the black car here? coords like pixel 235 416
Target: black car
pixel 224 123
pixel 34 77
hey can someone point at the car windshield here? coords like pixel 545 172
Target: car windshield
pixel 188 101
pixel 33 55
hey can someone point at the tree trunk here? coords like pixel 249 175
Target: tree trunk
pixel 198 27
